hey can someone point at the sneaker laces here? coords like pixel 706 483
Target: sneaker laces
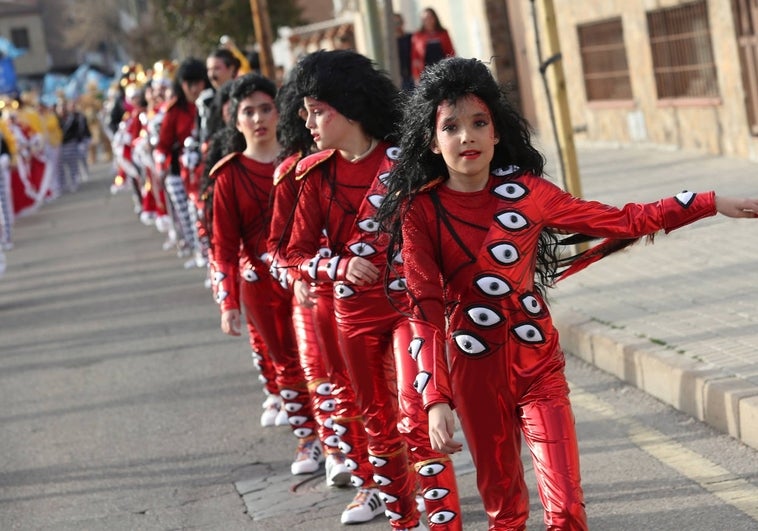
pixel 361 497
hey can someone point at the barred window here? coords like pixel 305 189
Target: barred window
pixel 606 71
pixel 680 42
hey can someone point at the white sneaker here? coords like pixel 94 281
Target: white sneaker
pixel 366 506
pixel 282 419
pixel 337 473
pixel 420 503
pixel 308 457
pixel 419 527
pixel 272 406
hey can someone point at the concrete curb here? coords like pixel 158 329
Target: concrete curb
pixel 722 400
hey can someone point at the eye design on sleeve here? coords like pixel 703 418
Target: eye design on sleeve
pixel 531 304
pixel 421 381
pixel 324 389
pixel 221 295
pixel 529 333
pixel 431 470
pixel 505 253
pixel 512 220
pixel 362 249
pixel 685 198
pixel 375 200
pixel 510 191
pixel 218 276
pixel 397 285
pixel 325 252
pixel 469 343
pixel 414 347
pixel 313 267
pixel 442 517
pixel 328 405
pixel 384 177
pixel 492 285
pixel 368 225
pixel 341 291
pixel 331 267
pixel 483 316
pixel 249 275
pixel 376 461
pixel 292 407
pixel 393 153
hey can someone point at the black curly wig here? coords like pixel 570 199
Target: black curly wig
pixel 448 81
pixel 291 132
pixel 352 84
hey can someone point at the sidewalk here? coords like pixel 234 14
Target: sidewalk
pixel 678 318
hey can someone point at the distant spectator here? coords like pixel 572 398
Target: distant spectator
pixel 430 44
pixel 403 53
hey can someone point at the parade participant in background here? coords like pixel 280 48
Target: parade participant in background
pixel 403 52
pixel 222 66
pixel 53 135
pixel 320 371
pixel 352 110
pixel 475 215
pixel 429 44
pixel 179 122
pixel 241 217
pixel 7 144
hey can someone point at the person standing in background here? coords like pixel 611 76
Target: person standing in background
pixel 403 53
pixel 430 44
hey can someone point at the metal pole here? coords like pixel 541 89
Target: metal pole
pixel 262 26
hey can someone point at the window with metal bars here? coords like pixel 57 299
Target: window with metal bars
pixel 606 71
pixel 745 22
pixel 680 42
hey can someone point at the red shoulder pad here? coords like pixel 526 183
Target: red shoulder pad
pixel 223 162
pixel 311 161
pixel 286 166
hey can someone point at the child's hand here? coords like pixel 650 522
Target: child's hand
pixel 230 322
pixel 361 272
pixel 736 207
pixel 441 428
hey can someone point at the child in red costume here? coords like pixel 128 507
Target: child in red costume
pixel 352 112
pixel 468 198
pixel 241 217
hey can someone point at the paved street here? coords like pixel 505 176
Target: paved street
pixel 125 407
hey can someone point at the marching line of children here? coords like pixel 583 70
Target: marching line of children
pixel 343 222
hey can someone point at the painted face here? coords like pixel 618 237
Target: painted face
pixel 465 137
pixel 218 72
pixel 329 128
pixel 257 118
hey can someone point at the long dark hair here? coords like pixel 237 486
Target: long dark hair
pixel 291 132
pixel 191 69
pixel 448 81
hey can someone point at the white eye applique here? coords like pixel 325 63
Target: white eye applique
pixel 332 441
pixel 436 493
pixel 288 394
pixel 502 172
pixel 218 276
pixel 388 498
pixel 531 304
pixel 510 191
pixel 301 433
pixel 529 333
pixel 221 295
pixel 414 347
pixel 431 470
pixel 342 291
pixel 483 316
pixel 325 252
pixel 368 225
pixel 324 389
pixel 421 381
pixel 469 343
pixel 505 253
pixel 393 153
pixel 328 405
pixel 492 285
pixel 345 448
pixel 375 200
pixel 249 275
pixel 442 517
pixel 397 285
pixel 331 267
pixel 362 249
pixel 398 258
pixel 292 407
pixel 339 429
pixel 384 177
pixel 685 198
pixel 377 462
pixel 313 266
pixel 511 220
pixel 297 420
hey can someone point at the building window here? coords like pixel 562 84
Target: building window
pixel 745 19
pixel 680 41
pixel 20 38
pixel 606 72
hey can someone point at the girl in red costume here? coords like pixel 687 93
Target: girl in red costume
pixel 297 142
pixel 431 43
pixel 241 217
pixel 468 198
pixel 179 122
pixel 352 112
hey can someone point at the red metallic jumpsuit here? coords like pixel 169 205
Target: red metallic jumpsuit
pixel 241 206
pixel 470 259
pixel 342 198
pixel 311 354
